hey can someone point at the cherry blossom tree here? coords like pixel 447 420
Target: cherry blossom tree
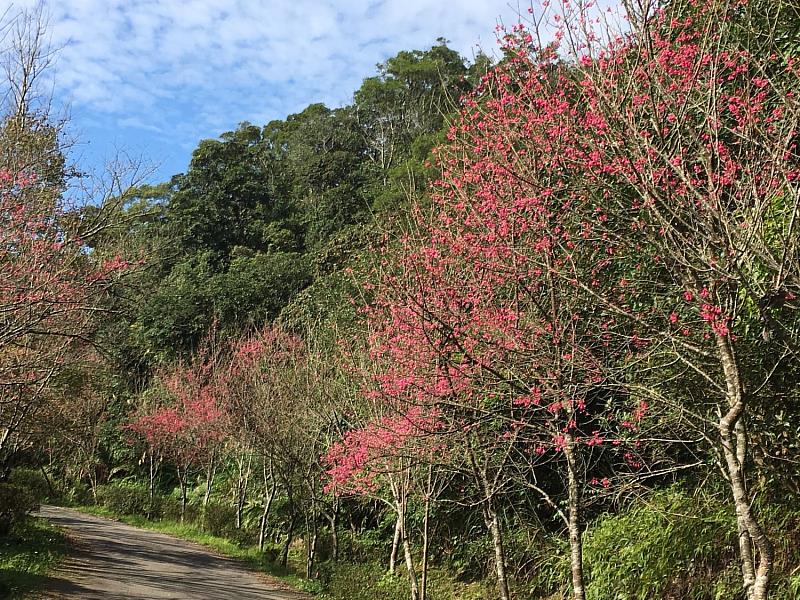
pixel 51 285
pixel 381 460
pixel 185 425
pixel 277 409
pixel 609 212
pixel 640 197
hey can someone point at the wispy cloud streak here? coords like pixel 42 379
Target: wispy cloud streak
pixel 161 72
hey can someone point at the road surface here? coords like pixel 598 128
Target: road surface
pixel 113 561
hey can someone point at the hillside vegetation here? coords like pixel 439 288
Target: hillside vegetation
pixel 519 328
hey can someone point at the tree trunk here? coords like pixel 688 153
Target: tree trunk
pixel 312 535
pixel 92 484
pixel 288 542
pixel 152 483
pixel 755 576
pixel 47 480
pixel 242 486
pixel 210 472
pixel 152 479
pixel 334 521
pixel 412 573
pixel 493 524
pixel 395 546
pixel 425 534
pixel 182 483
pixel 268 498
pixel 574 517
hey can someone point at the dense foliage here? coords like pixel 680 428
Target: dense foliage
pixel 515 329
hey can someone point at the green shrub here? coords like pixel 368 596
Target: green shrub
pixel 670 545
pixel 370 581
pixel 219 519
pixel 129 499
pixel 33 480
pixel 79 494
pixel 366 581
pixel 244 537
pixel 542 566
pixel 15 503
pixel 171 510
pixel 371 545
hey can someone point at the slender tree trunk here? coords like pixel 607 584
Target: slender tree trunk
pixel 745 541
pixel 395 547
pixel 237 519
pixel 312 535
pixel 334 521
pixel 3 439
pixel 425 534
pixel 92 484
pixel 574 517
pixel 493 524
pixel 211 471
pixel 288 542
pixel 756 576
pixel 425 545
pixel 242 486
pixel 412 573
pixel 309 551
pixel 268 498
pixel 153 464
pixel 152 480
pixel 182 484
pixel 183 502
pixel 47 479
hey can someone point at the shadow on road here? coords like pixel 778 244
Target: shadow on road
pixel 111 560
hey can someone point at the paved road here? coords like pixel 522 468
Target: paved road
pixel 113 561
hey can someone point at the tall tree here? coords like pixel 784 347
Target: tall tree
pixel 227 198
pixel 673 152
pixel 51 286
pixel 400 112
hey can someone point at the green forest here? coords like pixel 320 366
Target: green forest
pixel 523 327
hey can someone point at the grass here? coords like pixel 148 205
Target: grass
pixel 27 554
pixel 370 581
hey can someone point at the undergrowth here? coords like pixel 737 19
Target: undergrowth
pixel 671 544
pixel 31 549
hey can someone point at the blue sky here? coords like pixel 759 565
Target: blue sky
pixel 153 77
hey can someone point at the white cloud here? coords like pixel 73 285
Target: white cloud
pixel 198 67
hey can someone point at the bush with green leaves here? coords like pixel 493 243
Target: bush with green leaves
pixel 32 480
pixel 77 493
pixel 671 544
pixel 365 581
pixel 15 503
pixel 171 510
pixel 129 499
pixel 370 581
pixel 370 545
pixel 219 519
